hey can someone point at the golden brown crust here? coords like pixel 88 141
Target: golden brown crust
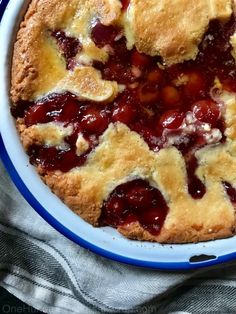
pixel 123 155
pixel 36 54
pixel 86 83
pixel 161 28
pixel 48 134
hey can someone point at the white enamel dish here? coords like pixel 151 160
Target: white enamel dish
pixel 103 241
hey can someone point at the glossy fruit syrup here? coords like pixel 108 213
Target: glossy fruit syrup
pixel 231 191
pixel 135 201
pixel 69 47
pixel 167 106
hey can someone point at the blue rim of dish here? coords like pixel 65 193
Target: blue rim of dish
pixel 3 5
pixel 170 266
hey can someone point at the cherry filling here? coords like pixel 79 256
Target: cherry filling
pixel 231 191
pixel 69 47
pixel 59 108
pixel 166 106
pixel 125 4
pixel 103 35
pixel 195 186
pixel 135 201
pixel 63 160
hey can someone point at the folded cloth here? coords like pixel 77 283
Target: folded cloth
pixel 54 275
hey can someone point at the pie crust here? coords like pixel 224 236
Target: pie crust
pixel 171 32
pixel 161 28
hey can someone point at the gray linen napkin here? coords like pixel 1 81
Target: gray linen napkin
pixel 49 272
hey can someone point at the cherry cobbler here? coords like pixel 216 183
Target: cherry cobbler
pixel 128 111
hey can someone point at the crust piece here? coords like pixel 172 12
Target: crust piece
pixel 36 54
pixel 161 28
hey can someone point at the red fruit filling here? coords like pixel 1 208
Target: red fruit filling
pixel 195 186
pixel 206 111
pixel 69 46
pixel 167 107
pixel 171 119
pixel 140 60
pixel 59 108
pixel 94 121
pixel 135 201
pixel 103 35
pixel 231 191
pixel 124 112
pixel 54 159
pixel 171 96
pixel 125 4
pixel 195 85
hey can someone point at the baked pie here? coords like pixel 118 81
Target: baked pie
pixel 127 109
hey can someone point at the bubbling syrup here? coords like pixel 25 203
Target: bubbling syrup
pixel 135 201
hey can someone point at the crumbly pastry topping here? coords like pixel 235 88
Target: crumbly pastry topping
pixel 37 53
pixel 172 29
pixel 47 134
pixel 81 145
pixel 127 109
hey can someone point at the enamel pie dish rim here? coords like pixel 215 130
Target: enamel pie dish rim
pixel 106 241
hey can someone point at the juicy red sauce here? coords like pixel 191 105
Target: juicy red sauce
pixel 69 46
pixel 125 4
pixel 135 201
pixel 118 67
pixel 59 108
pixel 154 103
pixel 103 35
pixel 63 160
pixel 231 191
pixel 195 186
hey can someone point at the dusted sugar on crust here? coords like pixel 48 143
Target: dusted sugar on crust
pixel 80 103
pixel 172 29
pixel 36 54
